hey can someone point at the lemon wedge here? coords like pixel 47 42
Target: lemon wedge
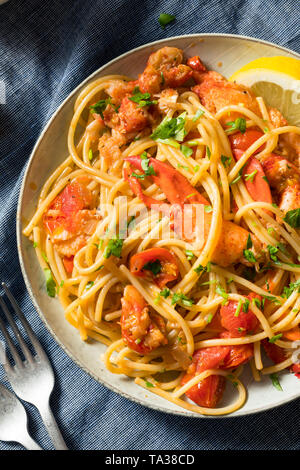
pixel 277 80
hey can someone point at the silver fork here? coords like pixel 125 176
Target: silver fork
pixel 13 421
pixel 33 379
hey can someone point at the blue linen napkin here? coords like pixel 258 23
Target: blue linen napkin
pixel 46 49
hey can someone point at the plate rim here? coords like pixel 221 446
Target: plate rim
pixel 185 413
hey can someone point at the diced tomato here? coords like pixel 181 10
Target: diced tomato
pixel 274 352
pixel 244 322
pixel 209 391
pixel 296 369
pixel 206 393
pixel 167 264
pixel 238 354
pixel 244 141
pixel 68 263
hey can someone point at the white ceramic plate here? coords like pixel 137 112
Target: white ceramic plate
pixel 224 53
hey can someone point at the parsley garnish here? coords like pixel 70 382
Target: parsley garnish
pixel 226 161
pixel 222 292
pixel 287 291
pixel 246 305
pixel 250 176
pixel 182 299
pixel 89 285
pixel 114 247
pixel 148 169
pixel 275 381
pixel 91 155
pixel 136 175
pixel 248 254
pixel 100 106
pixel 165 18
pixel 142 99
pixel 203 269
pixel 153 266
pixel 187 151
pixel 238 125
pixel 170 128
pixel 272 250
pixel 249 242
pixel 50 283
pixel 149 384
pixel 293 218
pixel 165 293
pixel 209 318
pixel 238 308
pixel 189 254
pixel 275 338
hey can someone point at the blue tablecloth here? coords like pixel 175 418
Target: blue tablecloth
pixel 47 47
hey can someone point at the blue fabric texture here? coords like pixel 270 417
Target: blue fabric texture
pixel 46 49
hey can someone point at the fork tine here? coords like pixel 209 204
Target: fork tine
pixel 16 331
pixel 11 347
pixel 38 348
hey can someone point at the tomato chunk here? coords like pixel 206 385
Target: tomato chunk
pixel 241 324
pixel 158 261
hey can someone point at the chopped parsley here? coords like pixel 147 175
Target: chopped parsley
pixel 250 176
pixel 287 291
pixel 226 161
pixel 165 18
pixel 50 283
pixel 136 175
pixel 142 99
pixel 293 218
pixel 275 338
pixel 91 156
pixel 272 252
pixel 248 254
pixel 153 266
pixel 182 299
pixel 45 257
pixel 238 308
pixel 165 293
pixel 208 152
pixel 236 179
pixel 209 318
pixel 149 384
pixel 114 247
pixel 189 254
pixel 246 305
pixel 202 269
pixel 187 151
pixel 222 292
pixel 170 128
pixel 238 125
pixel 100 106
pixel 89 285
pixel 249 242
pixel 148 169
pixel 35 244
pixel 275 382
pixel 208 209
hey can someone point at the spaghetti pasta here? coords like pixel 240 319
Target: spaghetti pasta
pixel 178 310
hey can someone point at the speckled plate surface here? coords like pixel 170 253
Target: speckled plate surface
pixel 223 53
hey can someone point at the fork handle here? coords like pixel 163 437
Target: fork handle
pixel 52 428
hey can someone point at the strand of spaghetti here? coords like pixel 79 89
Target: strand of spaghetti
pixel 257 355
pixel 195 408
pixel 230 341
pixel 277 367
